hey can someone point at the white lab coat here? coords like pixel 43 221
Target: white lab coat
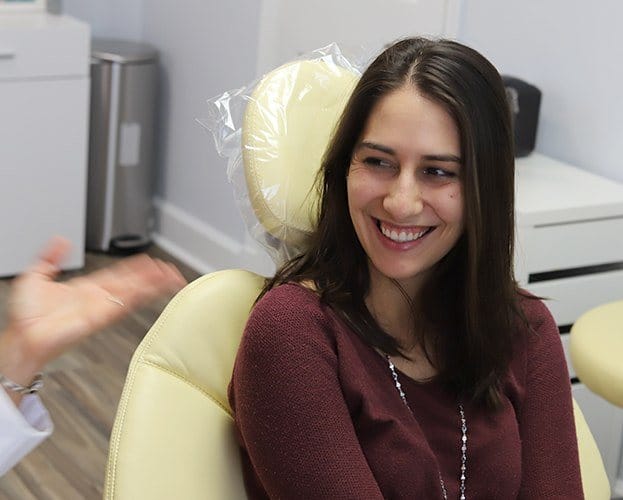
pixel 21 429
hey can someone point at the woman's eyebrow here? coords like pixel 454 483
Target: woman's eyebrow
pixel 446 158
pixel 450 158
pixel 378 147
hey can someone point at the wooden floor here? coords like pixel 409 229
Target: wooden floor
pixel 82 389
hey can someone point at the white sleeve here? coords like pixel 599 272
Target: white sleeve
pixel 21 429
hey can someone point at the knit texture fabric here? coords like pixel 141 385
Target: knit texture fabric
pixel 318 416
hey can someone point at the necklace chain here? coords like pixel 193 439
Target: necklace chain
pixel 463 448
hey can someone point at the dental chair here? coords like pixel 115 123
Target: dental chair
pixel 173 435
pixel 597 350
pixel 597 356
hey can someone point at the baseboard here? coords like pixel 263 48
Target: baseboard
pixel 201 246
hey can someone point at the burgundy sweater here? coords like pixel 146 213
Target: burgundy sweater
pixel 318 415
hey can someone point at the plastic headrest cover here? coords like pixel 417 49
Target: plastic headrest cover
pixel 286 128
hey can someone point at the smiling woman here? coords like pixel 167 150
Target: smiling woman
pixel 404 197
pixel 396 357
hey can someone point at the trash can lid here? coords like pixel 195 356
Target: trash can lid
pixel 122 51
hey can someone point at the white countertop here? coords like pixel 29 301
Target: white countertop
pixel 38 19
pixel 548 191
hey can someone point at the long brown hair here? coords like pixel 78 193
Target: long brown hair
pixel 465 312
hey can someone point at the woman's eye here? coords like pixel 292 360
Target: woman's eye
pixel 439 172
pixel 378 162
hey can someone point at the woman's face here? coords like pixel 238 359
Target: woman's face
pixel 404 187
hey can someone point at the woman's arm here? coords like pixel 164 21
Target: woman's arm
pixel 289 407
pixel 550 463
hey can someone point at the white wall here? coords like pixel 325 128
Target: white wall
pixel 572 51
pixel 110 18
pixel 205 48
pixel 291 28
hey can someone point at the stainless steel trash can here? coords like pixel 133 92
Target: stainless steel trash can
pixel 121 145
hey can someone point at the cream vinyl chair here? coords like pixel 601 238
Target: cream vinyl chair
pixel 597 350
pixel 173 435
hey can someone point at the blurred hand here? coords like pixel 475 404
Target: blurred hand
pixel 46 317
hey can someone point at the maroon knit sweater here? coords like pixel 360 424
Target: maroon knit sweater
pixel 319 417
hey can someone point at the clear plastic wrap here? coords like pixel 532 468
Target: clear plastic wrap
pixel 273 133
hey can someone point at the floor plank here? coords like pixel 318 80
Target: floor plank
pixel 82 389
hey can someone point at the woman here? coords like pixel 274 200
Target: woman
pixel 397 358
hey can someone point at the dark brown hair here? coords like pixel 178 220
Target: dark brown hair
pixel 465 312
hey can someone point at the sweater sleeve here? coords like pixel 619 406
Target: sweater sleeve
pixel 289 407
pixel 550 463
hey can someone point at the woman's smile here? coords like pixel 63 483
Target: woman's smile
pixel 402 234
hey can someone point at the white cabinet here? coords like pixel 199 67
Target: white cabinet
pixel 570 249
pixel 44 95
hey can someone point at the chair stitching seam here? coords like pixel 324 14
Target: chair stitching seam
pixel 192 384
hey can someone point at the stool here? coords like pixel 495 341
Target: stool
pixel 597 351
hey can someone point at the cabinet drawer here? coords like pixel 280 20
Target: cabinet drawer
pixel 570 297
pixel 572 245
pixel 43 45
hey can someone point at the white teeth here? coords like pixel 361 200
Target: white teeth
pixel 402 236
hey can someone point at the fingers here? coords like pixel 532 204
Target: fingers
pixel 137 279
pixel 55 250
pixel 153 277
pixel 172 275
pixel 51 257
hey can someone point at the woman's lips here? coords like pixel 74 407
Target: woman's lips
pixel 402 234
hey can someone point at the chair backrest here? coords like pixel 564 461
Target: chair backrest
pixel 287 126
pixel 173 436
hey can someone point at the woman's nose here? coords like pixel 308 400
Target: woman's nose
pixel 404 199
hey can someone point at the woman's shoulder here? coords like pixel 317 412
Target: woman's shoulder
pixel 533 308
pixel 288 322
pixel 289 306
pixel 538 349
pixel 289 297
pixel 536 320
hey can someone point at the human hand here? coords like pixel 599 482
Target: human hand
pixel 46 317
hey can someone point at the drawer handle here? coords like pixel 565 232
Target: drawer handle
pixel 7 54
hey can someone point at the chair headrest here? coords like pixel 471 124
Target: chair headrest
pixel 286 128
